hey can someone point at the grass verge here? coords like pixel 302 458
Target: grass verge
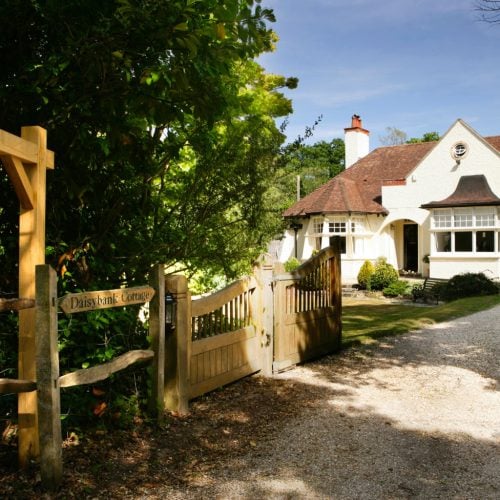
pixel 363 321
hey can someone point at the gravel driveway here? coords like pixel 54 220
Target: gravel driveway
pixel 416 416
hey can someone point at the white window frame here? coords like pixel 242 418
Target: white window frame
pixel 471 220
pixel 354 229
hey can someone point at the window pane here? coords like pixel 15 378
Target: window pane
pixel 485 241
pixel 443 242
pixel 442 218
pixel 357 225
pixel 317 243
pixel 463 242
pixel 463 218
pixel 337 227
pixel 485 220
pixel 318 226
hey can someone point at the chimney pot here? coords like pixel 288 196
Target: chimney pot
pixel 356 122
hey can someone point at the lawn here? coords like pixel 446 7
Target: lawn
pixel 363 321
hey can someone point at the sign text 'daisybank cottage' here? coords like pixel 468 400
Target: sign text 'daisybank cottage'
pixel 88 301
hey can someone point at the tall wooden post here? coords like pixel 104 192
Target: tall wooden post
pixel 29 184
pixel 157 335
pixel 47 368
pixel 178 348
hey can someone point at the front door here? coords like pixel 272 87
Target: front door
pixel 411 247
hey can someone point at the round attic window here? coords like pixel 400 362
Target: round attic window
pixel 459 150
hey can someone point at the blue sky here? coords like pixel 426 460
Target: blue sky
pixel 417 65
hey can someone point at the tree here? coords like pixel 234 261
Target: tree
pixel 314 164
pixel 427 137
pixel 138 97
pixel 393 137
pixel 165 139
pixel 397 137
pixel 489 9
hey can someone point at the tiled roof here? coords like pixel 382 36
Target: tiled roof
pixel 494 141
pixel 472 190
pixel 359 187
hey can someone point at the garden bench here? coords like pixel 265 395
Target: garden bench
pixel 430 289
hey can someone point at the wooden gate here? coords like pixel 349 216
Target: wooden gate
pixel 307 310
pixel 217 340
pixel 264 323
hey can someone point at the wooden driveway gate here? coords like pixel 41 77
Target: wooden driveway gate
pixel 307 311
pixel 266 324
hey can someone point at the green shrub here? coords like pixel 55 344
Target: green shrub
pixel 291 264
pixel 397 289
pixel 468 285
pixel 365 274
pixel 384 275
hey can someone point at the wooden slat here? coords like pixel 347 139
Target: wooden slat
pixel 101 372
pixel 206 305
pixel 222 340
pixel 26 151
pixel 16 304
pixel 15 386
pixel 248 363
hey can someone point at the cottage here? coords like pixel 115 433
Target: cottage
pixel 430 208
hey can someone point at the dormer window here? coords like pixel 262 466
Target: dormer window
pixel 459 150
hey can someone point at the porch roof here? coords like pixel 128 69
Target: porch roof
pixel 472 190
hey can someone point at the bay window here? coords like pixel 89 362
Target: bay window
pixel 351 231
pixel 465 230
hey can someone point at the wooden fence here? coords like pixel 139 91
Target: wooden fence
pixel 48 380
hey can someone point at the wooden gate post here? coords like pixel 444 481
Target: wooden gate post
pixel 178 348
pixel 157 335
pixel 336 287
pixel 47 372
pixel 263 314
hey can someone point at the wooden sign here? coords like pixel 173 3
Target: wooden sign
pixel 88 301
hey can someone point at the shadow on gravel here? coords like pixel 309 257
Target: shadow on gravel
pixel 413 417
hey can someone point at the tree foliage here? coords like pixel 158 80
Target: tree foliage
pixel 396 137
pixel 162 126
pixel 313 165
pixel 427 137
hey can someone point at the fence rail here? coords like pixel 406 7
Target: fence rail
pixel 10 385
pixel 16 304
